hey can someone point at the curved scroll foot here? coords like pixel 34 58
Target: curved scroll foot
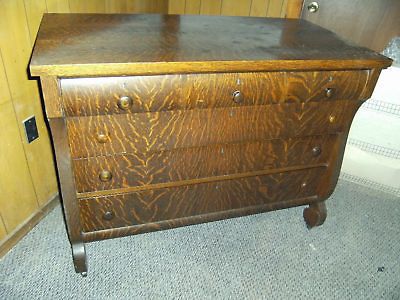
pixel 79 258
pixel 315 214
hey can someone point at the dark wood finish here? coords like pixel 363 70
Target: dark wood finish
pixel 368 23
pixel 162 225
pixel 66 178
pixel 177 120
pixel 149 132
pixel 67 186
pixel 99 96
pixel 159 44
pixel 174 203
pixel 315 214
pixel 140 169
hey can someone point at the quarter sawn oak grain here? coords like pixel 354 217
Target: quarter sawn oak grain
pixel 118 44
pixel 165 121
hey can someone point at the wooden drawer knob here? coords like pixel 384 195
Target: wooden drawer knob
pixel 237 97
pixel 316 151
pixel 329 92
pixel 105 176
pixel 102 137
pixel 108 215
pixel 125 102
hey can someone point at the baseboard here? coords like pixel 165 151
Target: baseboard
pixel 14 237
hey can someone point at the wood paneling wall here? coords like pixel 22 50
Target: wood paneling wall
pixel 27 173
pixel 27 179
pixel 256 8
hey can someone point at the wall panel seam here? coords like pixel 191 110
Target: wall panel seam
pixel 282 3
pixel 15 116
pixel 4 224
pixel 5 75
pixel 26 20
pixel 267 7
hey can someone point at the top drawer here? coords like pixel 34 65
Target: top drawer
pixel 115 95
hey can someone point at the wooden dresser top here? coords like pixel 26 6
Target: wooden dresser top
pixel 120 44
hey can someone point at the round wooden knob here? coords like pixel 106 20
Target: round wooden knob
pixel 101 137
pixel 105 176
pixel 108 215
pixel 125 102
pixel 237 97
pixel 316 151
pixel 329 92
pixel 332 118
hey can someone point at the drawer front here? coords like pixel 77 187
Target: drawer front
pixel 150 132
pixel 100 96
pixel 142 169
pixel 178 202
pixel 322 86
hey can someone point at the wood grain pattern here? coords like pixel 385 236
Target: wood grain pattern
pixel 98 96
pixel 196 128
pixel 140 169
pixel 185 153
pixel 175 203
pixel 327 187
pixel 187 45
pixel 162 225
pixel 312 86
pixel 67 186
pixel 52 97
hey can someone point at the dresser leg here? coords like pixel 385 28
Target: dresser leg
pixel 79 258
pixel 315 214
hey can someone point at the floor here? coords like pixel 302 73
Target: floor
pixel 354 255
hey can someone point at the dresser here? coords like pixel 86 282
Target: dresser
pixel 160 121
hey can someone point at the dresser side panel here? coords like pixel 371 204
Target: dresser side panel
pixel 52 96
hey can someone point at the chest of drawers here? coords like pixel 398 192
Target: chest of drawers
pixel 164 121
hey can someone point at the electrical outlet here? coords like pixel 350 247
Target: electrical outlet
pixel 31 131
